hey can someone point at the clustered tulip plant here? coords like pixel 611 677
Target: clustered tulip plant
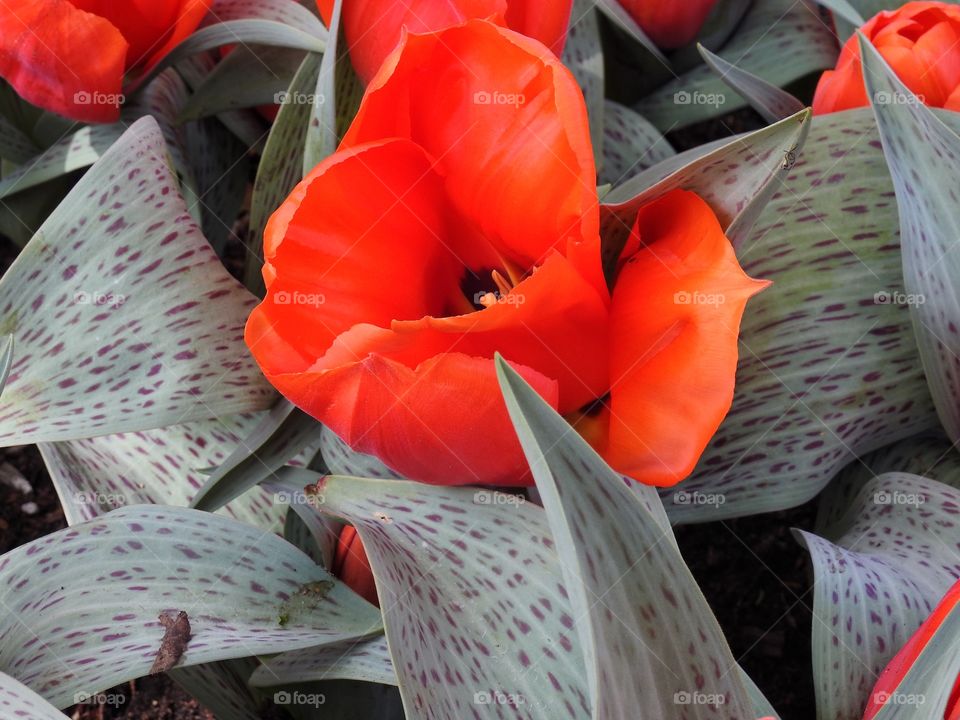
pixel 374 349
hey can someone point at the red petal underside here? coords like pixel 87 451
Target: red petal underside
pixel 46 55
pixel 676 310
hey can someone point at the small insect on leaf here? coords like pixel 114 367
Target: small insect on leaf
pixel 174 642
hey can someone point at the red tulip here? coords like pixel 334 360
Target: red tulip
pixel 893 674
pixel 670 24
pixel 351 566
pixel 460 219
pixel 70 56
pixel 374 27
pixel 920 41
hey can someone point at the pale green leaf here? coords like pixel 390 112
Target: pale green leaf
pixel 366 660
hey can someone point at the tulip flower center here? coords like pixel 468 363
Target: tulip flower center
pixel 485 288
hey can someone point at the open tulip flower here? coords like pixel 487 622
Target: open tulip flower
pixel 460 219
pixel 70 56
pixel 920 41
pixel 374 27
pixel 885 691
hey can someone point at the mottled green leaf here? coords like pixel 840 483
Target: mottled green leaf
pixel 877 582
pixel 771 102
pixel 652 646
pixel 124 317
pixel 221 687
pixel 630 146
pixel 779 41
pixel 19 701
pixel 366 660
pixel 923 155
pixel 583 54
pixel 90 620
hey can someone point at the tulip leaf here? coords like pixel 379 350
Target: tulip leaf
pixel 737 180
pixel 15 145
pixel 115 304
pixel 476 613
pixel 280 436
pixel 779 41
pixel 844 9
pixel 630 145
pixel 922 154
pixel 930 680
pixel 19 701
pixel 623 20
pixel 341 459
pixel 244 591
pixel 583 54
pixel 221 687
pixel 244 78
pixel 6 360
pixel 366 660
pixel 930 456
pixel 95 475
pixel 322 137
pixel 281 166
pixel 288 12
pixel 771 102
pixel 651 641
pixel 829 368
pixel 876 583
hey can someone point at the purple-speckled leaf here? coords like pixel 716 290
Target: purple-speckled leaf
pixel 15 146
pixel 341 459
pixel 366 660
pixel 18 702
pixel 927 686
pixel 164 467
pixel 288 12
pixel 771 102
pixel 281 436
pixel 245 78
pixel 281 166
pixel 829 367
pixel 82 604
pixel 652 646
pixel 583 54
pixel 123 316
pixel 875 585
pixel 221 687
pixel 779 41
pixel 476 613
pixel 322 136
pixel 931 457
pixel 318 530
pixel 630 144
pixel 924 159
pixel 737 180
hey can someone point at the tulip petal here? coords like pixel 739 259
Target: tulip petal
pixel 553 321
pixel 508 126
pixel 675 319
pixel 543 21
pixel 443 423
pixel 62 59
pixel 351 566
pixel 360 239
